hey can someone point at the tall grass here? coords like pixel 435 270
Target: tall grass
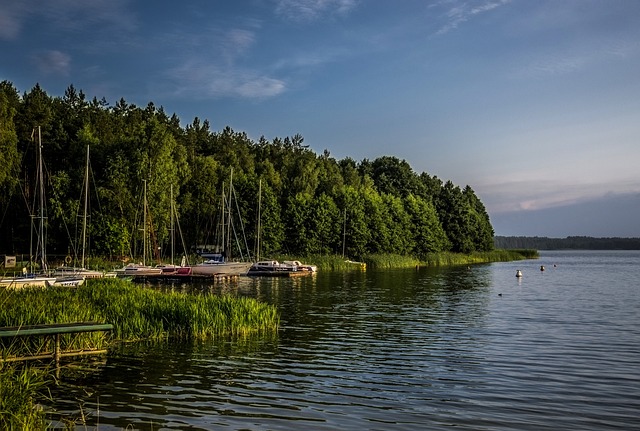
pixel 20 387
pixel 135 312
pixel 324 262
pixel 388 261
pixel 446 258
pixel 384 261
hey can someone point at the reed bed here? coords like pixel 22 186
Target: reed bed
pixel 445 258
pixel 389 261
pixel 136 313
pixel 20 388
pixel 395 261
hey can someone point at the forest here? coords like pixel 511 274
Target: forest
pixel 290 199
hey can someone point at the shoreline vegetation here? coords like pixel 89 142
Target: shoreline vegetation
pixel 396 261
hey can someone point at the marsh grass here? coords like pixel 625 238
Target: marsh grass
pixel 395 261
pixel 20 388
pixel 136 313
pixel 445 258
pixel 389 261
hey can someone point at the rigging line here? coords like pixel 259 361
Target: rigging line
pixel 246 244
pixel 73 243
pixel 232 227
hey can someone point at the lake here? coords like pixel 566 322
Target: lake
pixel 466 348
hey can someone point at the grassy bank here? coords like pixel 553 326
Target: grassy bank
pixel 138 313
pixel 388 261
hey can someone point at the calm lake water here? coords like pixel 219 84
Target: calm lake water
pixel 470 349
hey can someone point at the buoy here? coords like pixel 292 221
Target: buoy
pixel 541 267
pixel 518 273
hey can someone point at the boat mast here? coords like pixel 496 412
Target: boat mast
pixel 344 231
pixel 86 199
pixel 259 217
pixel 172 224
pixel 144 226
pixel 40 176
pixel 223 227
pixel 228 246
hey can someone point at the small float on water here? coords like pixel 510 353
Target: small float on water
pixel 519 274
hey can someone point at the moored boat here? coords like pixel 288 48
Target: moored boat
pixel 301 266
pixel 218 266
pixel 25 281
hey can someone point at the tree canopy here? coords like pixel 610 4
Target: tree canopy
pixel 309 203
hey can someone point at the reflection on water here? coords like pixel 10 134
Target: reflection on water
pixel 473 348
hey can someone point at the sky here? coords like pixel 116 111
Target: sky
pixel 535 104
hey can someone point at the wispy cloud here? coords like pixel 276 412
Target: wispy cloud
pixel 217 63
pixel 571 59
pixel 202 80
pixel 53 63
pixel 459 12
pixel 12 16
pixel 534 195
pixel 311 10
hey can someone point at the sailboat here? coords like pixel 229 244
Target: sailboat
pixel 40 279
pixel 217 264
pixel 142 269
pixel 65 275
pixel 171 269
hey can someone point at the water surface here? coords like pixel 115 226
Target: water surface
pixel 470 348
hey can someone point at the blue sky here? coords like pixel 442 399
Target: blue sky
pixel 535 104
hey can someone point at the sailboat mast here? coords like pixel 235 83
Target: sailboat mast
pixel 144 226
pixel 259 217
pixel 229 215
pixel 86 203
pixel 223 226
pixel 172 224
pixel 41 198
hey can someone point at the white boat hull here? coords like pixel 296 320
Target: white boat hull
pixel 216 269
pixel 26 282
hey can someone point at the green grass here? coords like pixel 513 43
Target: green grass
pixel 20 388
pixel 445 258
pixel 135 312
pixel 389 261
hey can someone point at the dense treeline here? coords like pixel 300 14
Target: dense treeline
pixel 309 203
pixel 568 243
